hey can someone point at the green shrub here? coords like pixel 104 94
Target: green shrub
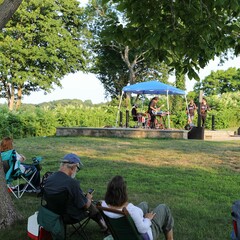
pixel 42 120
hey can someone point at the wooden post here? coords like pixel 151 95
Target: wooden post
pixel 121 119
pixel 127 118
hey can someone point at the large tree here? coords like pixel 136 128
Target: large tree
pixel 116 69
pixel 39 45
pixel 7 9
pixel 8 213
pixel 219 82
pixel 118 60
pixel 184 34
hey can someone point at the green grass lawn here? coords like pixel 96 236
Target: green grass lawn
pixel 197 179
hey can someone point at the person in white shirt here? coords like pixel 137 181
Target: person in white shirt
pixel 150 224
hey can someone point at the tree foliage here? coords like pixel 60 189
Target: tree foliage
pixel 117 61
pixel 184 34
pixel 219 82
pixel 38 46
pixel 43 119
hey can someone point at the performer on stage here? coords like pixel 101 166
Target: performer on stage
pixel 203 111
pixel 191 108
pixel 137 116
pixel 152 110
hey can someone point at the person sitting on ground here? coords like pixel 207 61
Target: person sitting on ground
pixel 79 204
pixel 148 223
pixel 6 145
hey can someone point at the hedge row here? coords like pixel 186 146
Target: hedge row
pixel 42 120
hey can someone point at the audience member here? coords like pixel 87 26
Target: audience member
pixel 27 169
pixel 148 223
pixel 79 204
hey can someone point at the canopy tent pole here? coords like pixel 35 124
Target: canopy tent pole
pixel 119 109
pixel 186 106
pixel 137 98
pixel 168 111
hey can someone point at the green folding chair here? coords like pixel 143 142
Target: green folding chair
pixel 122 228
pixel 54 206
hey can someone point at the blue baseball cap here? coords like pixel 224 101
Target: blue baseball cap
pixel 72 159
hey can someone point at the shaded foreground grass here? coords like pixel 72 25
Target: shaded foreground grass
pixel 199 180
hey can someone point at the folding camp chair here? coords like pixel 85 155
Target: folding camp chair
pixel 13 173
pixel 57 203
pixel 121 228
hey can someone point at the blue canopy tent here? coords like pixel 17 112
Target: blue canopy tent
pixel 153 87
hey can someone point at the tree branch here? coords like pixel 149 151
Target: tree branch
pixel 7 9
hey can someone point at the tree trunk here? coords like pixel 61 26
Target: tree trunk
pixel 125 58
pixel 19 98
pixel 7 9
pixel 8 213
pixel 11 98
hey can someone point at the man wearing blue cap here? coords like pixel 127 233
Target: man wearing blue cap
pixel 79 203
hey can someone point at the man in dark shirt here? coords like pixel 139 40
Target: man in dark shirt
pixel 79 204
pixel 134 112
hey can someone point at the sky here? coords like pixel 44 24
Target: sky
pixel 88 87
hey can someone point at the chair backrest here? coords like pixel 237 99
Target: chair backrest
pixel 122 228
pixel 56 202
pixel 11 165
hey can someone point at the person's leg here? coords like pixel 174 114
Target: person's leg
pixel 191 118
pixel 144 207
pixel 203 120
pixel 96 216
pixel 169 235
pixel 153 117
pixel 162 222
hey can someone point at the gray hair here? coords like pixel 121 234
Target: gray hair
pixel 67 165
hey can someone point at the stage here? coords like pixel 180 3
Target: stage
pixel 218 135
pixel 122 132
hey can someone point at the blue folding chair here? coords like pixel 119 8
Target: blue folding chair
pixel 14 172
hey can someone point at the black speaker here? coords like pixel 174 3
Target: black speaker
pixel 196 133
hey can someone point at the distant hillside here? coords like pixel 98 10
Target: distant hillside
pixel 67 102
pixel 62 102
